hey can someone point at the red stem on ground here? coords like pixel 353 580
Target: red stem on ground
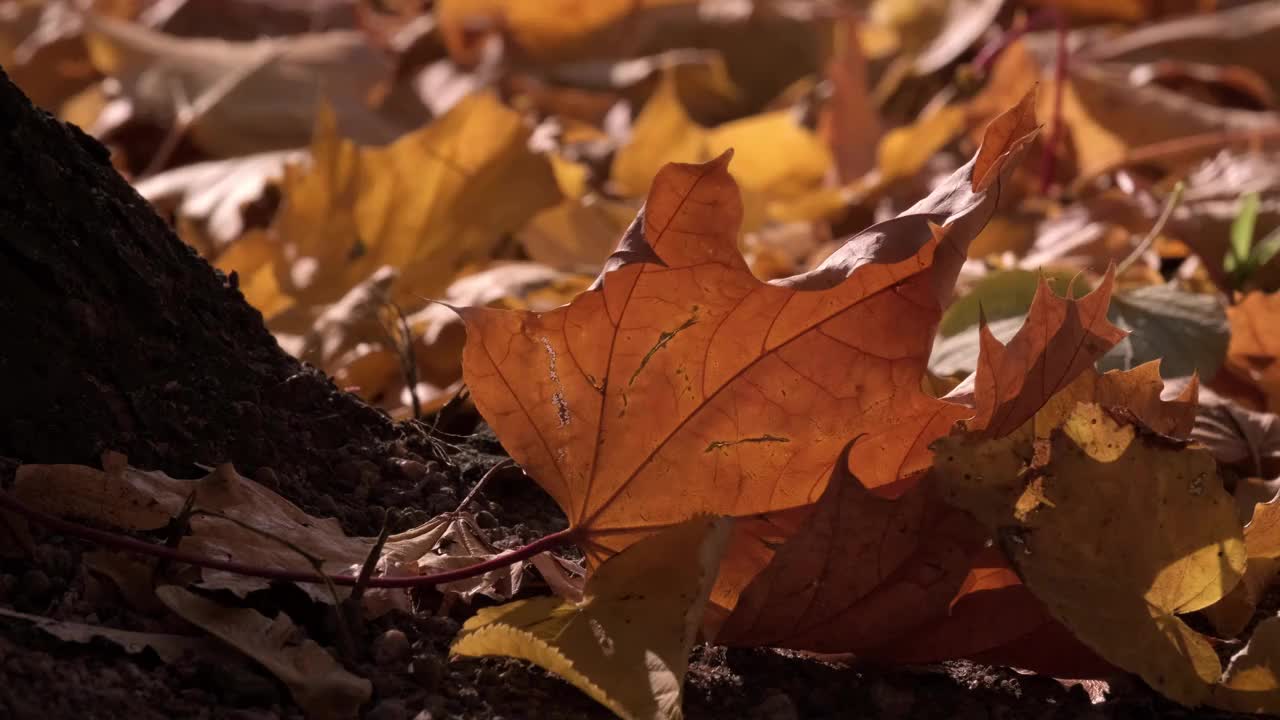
pixel 1049 159
pixel 989 53
pixel 141 547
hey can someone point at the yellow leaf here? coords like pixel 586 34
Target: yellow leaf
pixel 578 234
pixel 904 151
pixel 775 157
pixel 1117 530
pixel 427 204
pixel 1262 542
pixel 626 644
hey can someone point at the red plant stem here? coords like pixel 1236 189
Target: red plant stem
pixel 141 547
pixel 1050 156
pixel 990 52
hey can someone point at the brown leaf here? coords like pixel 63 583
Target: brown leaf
pixel 169 648
pixel 1006 135
pixel 236 518
pixel 1058 341
pixel 261 95
pixel 995 619
pixel 1254 352
pixel 849 123
pixel 820 592
pixel 1238 436
pixel 319 683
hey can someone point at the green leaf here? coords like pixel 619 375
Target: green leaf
pixel 1265 249
pixel 1001 295
pixel 1242 232
pixel 1187 332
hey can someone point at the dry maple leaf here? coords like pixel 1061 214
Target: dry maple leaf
pixel 681 384
pixel 882 578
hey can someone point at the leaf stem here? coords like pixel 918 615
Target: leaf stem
pixel 1048 160
pixel 129 544
pixel 1170 205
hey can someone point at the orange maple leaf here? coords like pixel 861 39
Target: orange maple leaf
pixel 681 384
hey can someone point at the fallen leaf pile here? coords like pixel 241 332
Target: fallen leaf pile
pixel 893 331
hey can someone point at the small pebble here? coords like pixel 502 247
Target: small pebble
pixel 485 519
pixel 411 469
pixel 390 647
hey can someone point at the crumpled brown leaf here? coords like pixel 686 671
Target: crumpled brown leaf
pixel 267 91
pixel 319 684
pixel 235 518
pixel 168 647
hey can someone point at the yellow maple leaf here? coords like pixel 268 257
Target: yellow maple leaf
pixel 626 644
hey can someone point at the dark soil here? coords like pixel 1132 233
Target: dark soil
pixel 116 336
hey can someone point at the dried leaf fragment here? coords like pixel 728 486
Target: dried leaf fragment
pixel 319 684
pixel 626 644
pixel 168 647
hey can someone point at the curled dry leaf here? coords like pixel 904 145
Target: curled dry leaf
pixel 238 519
pixel 318 682
pixel 168 647
pixel 214 195
pixel 1239 437
pixel 627 642
pixel 260 95
pixel 680 366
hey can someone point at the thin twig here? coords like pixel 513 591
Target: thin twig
pixel 371 561
pixel 483 481
pixel 141 547
pixel 408 358
pixel 350 611
pixel 189 114
pixel 1170 205
pixel 178 527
